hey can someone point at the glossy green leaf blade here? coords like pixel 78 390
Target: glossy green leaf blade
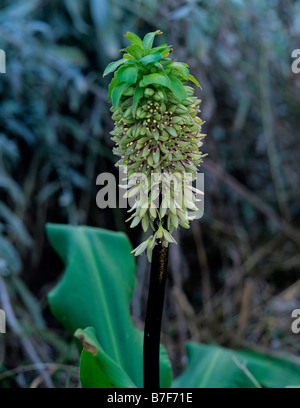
pixel 193 79
pixel 134 39
pixel 162 48
pixel 127 74
pixel 216 367
pixel 95 291
pixel 113 66
pixel 177 88
pixel 129 57
pixel 111 86
pixel 158 79
pixel 180 67
pixel 118 91
pixel 151 58
pixel 97 369
pixel 134 50
pixel 149 38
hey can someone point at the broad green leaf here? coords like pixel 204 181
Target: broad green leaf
pixel 134 39
pixel 97 369
pixel 95 291
pixel 159 79
pixel 111 86
pixel 162 49
pixel 127 74
pixel 158 65
pixel 216 367
pixel 193 79
pixel 177 88
pixel 113 66
pixel 117 92
pixel 129 57
pixel 148 40
pixel 138 93
pixel 134 50
pixel 180 67
pixel 151 58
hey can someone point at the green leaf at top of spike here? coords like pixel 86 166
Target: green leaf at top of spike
pixel 151 58
pixel 135 51
pixel 160 79
pixel 193 79
pixel 117 92
pixel 179 66
pixel 148 39
pixel 134 39
pixel 127 74
pixel 177 88
pixel 113 66
pixel 111 86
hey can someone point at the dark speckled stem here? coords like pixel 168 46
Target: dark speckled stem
pixel 154 312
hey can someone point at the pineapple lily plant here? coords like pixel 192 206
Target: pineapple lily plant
pixel 157 135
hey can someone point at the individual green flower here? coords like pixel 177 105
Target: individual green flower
pixel 157 135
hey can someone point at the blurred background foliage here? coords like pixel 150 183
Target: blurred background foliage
pixel 234 277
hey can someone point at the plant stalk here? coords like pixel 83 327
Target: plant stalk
pixel 154 312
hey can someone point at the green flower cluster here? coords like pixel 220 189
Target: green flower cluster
pixel 157 135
